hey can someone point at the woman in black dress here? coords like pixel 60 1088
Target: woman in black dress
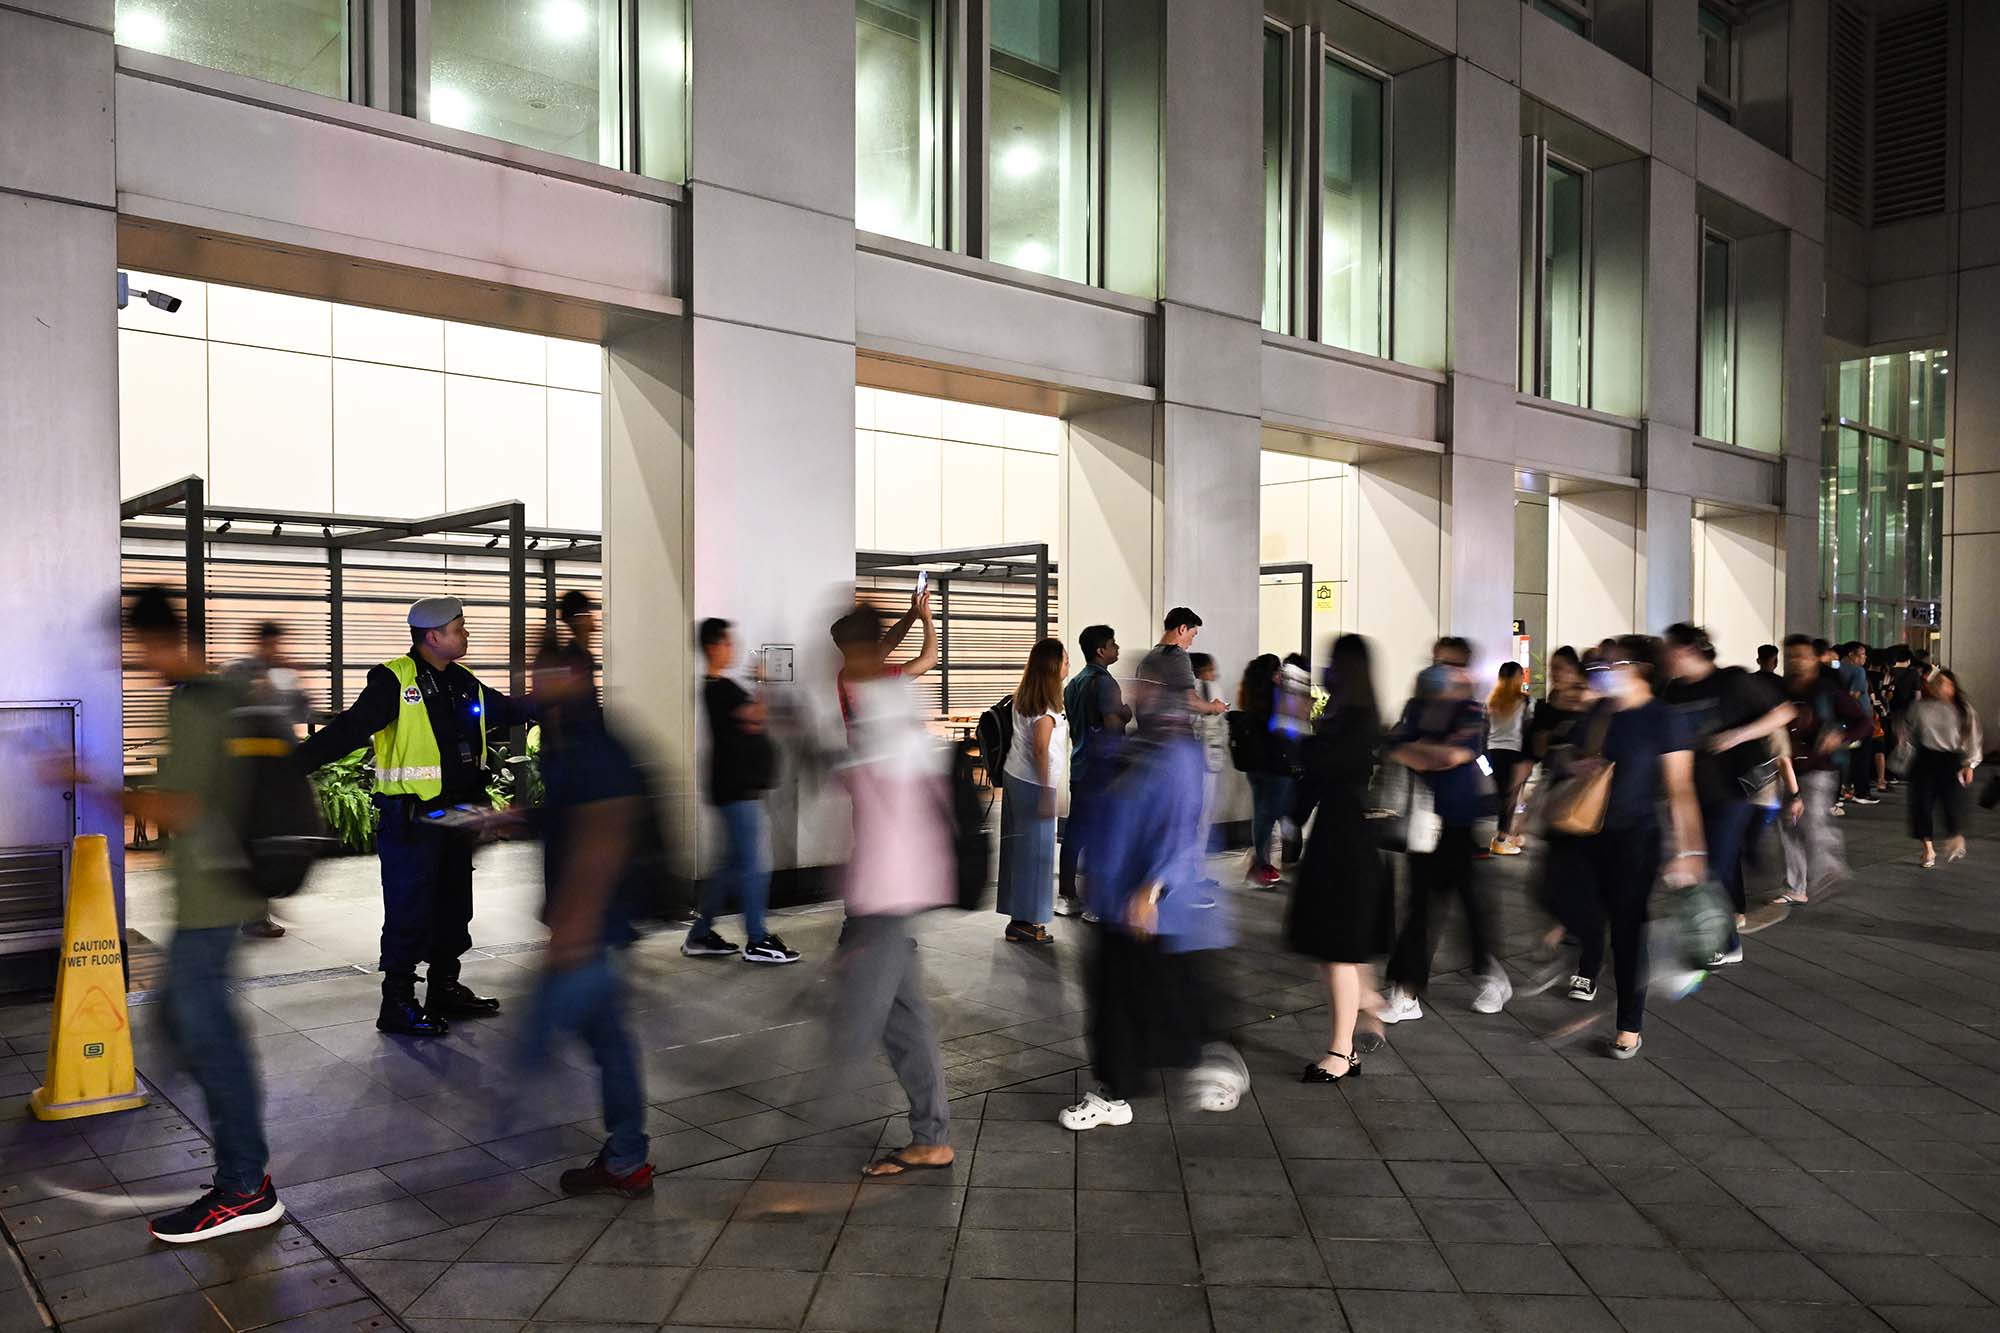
pixel 1342 905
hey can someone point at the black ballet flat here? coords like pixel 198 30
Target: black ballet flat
pixel 1314 1074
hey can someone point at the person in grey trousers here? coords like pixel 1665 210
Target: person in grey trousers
pixel 902 864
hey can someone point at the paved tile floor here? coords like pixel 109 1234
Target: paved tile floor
pixel 1811 1142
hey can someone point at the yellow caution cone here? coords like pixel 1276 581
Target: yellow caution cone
pixel 90 1045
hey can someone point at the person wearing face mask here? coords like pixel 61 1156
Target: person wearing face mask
pixel 1608 874
pixel 1440 737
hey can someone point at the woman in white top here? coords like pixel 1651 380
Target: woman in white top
pixel 1945 746
pixel 1506 747
pixel 1037 768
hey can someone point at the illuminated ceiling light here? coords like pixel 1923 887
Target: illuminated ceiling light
pixel 563 19
pixel 450 107
pixel 1020 159
pixel 144 29
pixel 1031 254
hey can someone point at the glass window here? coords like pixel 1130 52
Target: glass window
pixel 1277 182
pixel 298 43
pixel 1718 57
pixel 1572 14
pixel 1350 255
pixel 541 73
pixel 1850 390
pixel 1847 515
pixel 662 109
pixel 1882 392
pixel 1885 522
pixel 1038 155
pixel 1934 529
pixel 1718 340
pixel 1916 520
pixel 1566 296
pixel 895 117
pixel 1938 374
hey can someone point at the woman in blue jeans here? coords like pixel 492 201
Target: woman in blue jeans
pixel 1036 769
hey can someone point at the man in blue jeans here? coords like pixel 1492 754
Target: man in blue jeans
pixel 740 769
pixel 592 818
pixel 196 798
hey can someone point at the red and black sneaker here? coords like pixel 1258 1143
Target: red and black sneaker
pixel 597 1179
pixel 220 1212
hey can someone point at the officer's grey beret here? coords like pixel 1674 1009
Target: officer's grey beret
pixel 435 612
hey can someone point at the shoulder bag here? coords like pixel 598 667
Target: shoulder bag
pixel 1575 805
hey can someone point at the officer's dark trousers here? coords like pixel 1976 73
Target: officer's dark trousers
pixel 426 897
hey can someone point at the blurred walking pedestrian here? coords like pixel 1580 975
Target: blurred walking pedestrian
pixel 1267 756
pixel 901 864
pixel 1343 904
pixel 197 797
pixel 1943 747
pixel 274 699
pixel 1440 737
pixel 1825 719
pixel 742 766
pixel 1035 772
pixel 592 816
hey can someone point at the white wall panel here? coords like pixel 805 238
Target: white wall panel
pixel 162 410
pixel 501 354
pixel 268 319
pixel 972 475
pixel 1738 585
pixel 977 423
pixel 576 459
pixel 1284 529
pixel 388 440
pixel 1399 600
pixel 908 485
pixel 495 437
pixel 864 489
pixel 270 428
pixel 575 365
pixel 909 414
pixel 1593 566
pixel 394 339
pixel 1032 504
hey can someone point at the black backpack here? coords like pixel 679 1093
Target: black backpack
pixel 277 809
pixel 995 733
pixel 1242 747
pixel 970 846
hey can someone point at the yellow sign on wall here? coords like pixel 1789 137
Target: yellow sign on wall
pixel 1322 597
pixel 90 1042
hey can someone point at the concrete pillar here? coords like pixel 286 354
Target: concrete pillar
pixel 1805 396
pixel 1668 428
pixel 1477 481
pixel 59 388
pixel 771 355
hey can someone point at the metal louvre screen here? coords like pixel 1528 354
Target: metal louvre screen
pixel 248 585
pixel 1847 86
pixel 986 627
pixel 1910 115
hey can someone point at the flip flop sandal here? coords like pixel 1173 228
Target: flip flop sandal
pixel 903 1166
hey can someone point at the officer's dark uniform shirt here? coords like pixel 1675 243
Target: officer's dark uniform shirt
pixel 452 697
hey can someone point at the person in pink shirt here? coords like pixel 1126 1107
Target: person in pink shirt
pixel 901 864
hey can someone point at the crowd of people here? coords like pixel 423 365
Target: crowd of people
pixel 1640 767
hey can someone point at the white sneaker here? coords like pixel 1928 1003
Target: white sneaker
pixel 1494 992
pixel 1091 918
pixel 1220 1080
pixel 1095 1110
pixel 1066 906
pixel 1401 1005
pixel 1726 957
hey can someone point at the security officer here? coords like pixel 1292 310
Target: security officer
pixel 429 719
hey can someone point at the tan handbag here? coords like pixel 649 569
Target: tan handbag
pixel 1575 806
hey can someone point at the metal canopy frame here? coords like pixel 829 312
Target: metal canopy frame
pixel 1304 571
pixel 1021 562
pixel 337 534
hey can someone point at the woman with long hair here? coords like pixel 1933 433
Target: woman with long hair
pixel 1506 747
pixel 1343 906
pixel 1945 746
pixel 1035 771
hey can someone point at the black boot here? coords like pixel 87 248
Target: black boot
pixel 453 999
pixel 401 1014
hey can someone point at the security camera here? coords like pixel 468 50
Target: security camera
pixel 157 300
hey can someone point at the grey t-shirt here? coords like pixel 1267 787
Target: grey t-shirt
pixel 1161 702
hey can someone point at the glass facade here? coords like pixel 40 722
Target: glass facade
pixel 1882 499
pixel 1351 204
pixel 1718 339
pixel 895 118
pixel 1572 14
pixel 300 44
pixel 1038 157
pixel 545 74
pixel 1565 285
pixel 1717 93
pixel 1277 183
pixel 663 82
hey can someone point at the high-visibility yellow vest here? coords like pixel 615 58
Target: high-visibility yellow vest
pixel 407 761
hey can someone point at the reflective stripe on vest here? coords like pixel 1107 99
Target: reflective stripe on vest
pixel 407 759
